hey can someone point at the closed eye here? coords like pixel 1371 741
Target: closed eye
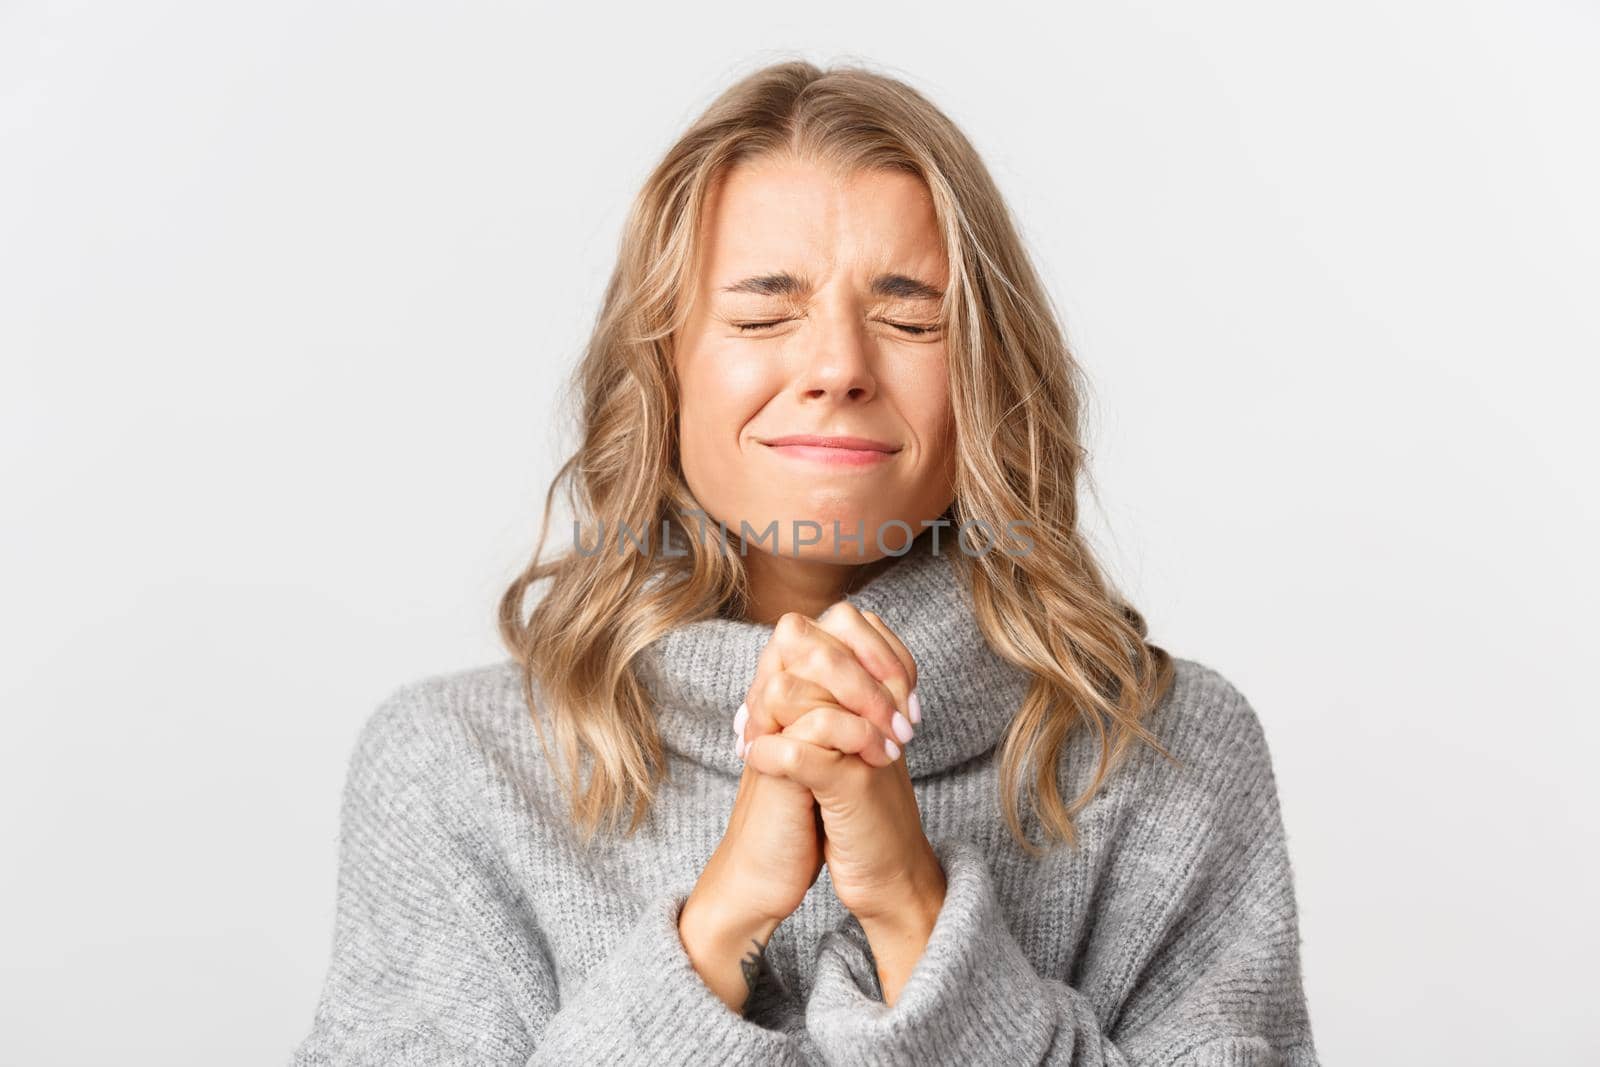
pixel 914 331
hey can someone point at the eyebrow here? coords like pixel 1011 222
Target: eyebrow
pixel 782 283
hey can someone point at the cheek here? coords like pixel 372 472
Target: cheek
pixel 720 392
pixel 925 404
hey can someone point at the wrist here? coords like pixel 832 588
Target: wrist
pixel 899 937
pixel 912 922
pixel 914 905
pixel 718 927
pixel 725 948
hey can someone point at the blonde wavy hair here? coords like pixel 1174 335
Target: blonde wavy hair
pixel 1016 391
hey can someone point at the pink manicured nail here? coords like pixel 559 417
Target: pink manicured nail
pixel 914 706
pixel 891 748
pixel 738 746
pixel 740 717
pixel 902 729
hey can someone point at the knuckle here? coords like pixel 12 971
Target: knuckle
pixel 842 609
pixel 777 688
pixel 822 657
pixel 794 688
pixel 791 624
pixel 833 722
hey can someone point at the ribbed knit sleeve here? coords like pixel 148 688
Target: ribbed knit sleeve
pixel 646 1004
pixel 1199 938
pixel 437 958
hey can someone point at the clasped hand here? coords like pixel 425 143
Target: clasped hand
pixel 831 706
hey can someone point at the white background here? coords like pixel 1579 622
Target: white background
pixel 287 291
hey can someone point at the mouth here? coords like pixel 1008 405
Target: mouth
pixel 843 451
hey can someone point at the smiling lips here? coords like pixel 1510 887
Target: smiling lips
pixel 845 451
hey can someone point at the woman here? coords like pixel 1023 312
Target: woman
pixel 827 609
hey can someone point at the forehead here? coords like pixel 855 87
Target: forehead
pixel 786 213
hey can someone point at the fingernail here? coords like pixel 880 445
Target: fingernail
pixel 902 729
pixel 740 717
pixel 738 746
pixel 914 706
pixel 891 748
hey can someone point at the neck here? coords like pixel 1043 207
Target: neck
pixel 781 584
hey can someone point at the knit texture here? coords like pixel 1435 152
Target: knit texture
pixel 473 927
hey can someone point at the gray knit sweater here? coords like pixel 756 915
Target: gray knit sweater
pixel 473 928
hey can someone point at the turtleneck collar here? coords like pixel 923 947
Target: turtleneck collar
pixel 699 673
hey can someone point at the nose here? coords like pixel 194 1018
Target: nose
pixel 835 361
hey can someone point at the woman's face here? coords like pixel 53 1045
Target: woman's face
pixel 816 314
